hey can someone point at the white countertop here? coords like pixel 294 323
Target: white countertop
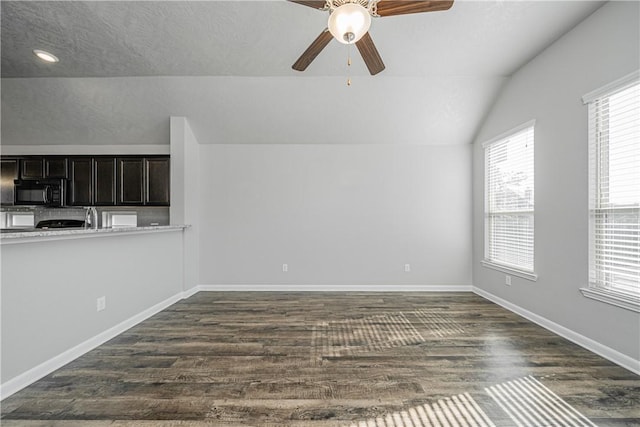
pixel 58 234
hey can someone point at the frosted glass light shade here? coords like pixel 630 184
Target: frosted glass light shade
pixel 45 56
pixel 349 22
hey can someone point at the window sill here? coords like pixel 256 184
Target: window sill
pixel 629 302
pixel 512 271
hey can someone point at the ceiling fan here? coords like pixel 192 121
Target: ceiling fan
pixel 349 22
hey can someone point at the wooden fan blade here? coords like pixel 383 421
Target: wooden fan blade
pixel 312 51
pixel 316 4
pixel 402 7
pixel 370 54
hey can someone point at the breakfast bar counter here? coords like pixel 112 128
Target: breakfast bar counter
pixel 39 235
pixel 66 290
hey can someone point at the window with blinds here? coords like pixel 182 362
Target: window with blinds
pixel 509 200
pixel 614 202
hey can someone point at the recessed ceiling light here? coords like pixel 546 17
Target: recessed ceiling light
pixel 45 56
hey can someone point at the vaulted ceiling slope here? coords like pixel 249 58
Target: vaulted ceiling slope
pixel 226 65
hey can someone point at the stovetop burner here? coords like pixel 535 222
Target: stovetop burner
pixel 60 223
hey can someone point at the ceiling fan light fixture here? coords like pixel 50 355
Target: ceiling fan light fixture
pixel 349 22
pixel 45 56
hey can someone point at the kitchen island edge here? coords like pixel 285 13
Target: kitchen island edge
pixel 66 234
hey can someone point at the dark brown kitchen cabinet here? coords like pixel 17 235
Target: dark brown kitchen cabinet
pixel 47 167
pixel 135 180
pixel 130 181
pixel 157 181
pixel 8 173
pixel 104 181
pixel 56 167
pixel 32 168
pixel 80 186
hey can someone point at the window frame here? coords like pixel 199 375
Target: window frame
pixel 515 270
pixel 594 290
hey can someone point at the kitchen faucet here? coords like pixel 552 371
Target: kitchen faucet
pixel 91 217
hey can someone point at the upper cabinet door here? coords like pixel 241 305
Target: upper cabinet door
pixel 157 181
pixel 105 181
pixel 55 167
pixel 80 191
pixel 130 181
pixel 32 168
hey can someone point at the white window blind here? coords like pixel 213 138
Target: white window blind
pixel 509 200
pixel 614 172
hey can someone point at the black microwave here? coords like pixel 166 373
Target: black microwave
pixel 40 192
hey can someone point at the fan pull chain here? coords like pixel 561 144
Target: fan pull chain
pixel 349 64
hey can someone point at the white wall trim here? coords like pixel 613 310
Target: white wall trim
pixel 72 150
pixel 187 293
pixel 587 343
pixel 615 85
pixel 332 288
pixel 34 374
pixel 510 270
pixel 619 299
pixel 503 135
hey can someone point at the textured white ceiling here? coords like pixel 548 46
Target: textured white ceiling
pixel 263 38
pixel 226 65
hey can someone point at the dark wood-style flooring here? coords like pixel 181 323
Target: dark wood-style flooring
pixel 332 359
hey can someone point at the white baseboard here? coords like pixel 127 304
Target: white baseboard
pixel 34 374
pixel 190 292
pixel 585 342
pixel 333 288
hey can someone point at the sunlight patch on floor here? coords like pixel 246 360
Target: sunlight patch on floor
pixel 455 411
pixel 526 401
pixel 366 334
pixel 529 403
pixel 438 322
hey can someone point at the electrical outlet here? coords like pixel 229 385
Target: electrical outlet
pixel 507 280
pixel 407 268
pixel 101 303
pixel 285 267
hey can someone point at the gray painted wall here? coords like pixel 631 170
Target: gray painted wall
pixel 239 110
pixel 49 291
pixel 603 48
pixel 185 185
pixel 336 214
